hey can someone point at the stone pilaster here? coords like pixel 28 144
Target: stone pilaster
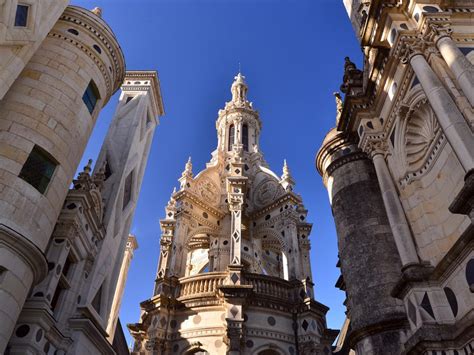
pixel 396 216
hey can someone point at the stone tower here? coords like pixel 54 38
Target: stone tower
pixel 398 167
pixel 234 273
pixel 46 118
pixel 74 309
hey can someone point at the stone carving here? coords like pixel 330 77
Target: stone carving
pixel 208 190
pixel 265 192
pixel 420 132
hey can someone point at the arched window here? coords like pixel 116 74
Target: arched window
pixel 245 137
pixel 231 137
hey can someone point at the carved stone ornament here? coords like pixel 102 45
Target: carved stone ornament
pixel 265 192
pixel 413 46
pixel 420 132
pixel 374 147
pixel 441 30
pixel 208 190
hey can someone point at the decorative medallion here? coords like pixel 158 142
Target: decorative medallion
pixel 208 190
pixel 265 192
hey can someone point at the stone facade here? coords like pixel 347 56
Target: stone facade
pixel 398 167
pixel 234 273
pixel 63 252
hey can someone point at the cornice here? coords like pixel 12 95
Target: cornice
pixel 154 87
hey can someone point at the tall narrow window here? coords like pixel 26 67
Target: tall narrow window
pixel 38 169
pixel 63 284
pixel 21 16
pixel 245 137
pixel 127 189
pixel 91 96
pixel 231 137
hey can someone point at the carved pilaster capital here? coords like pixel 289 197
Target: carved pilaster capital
pixel 412 47
pixel 439 31
pixel 376 147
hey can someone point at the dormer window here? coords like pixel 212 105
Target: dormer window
pixel 21 16
pixel 245 137
pixel 231 137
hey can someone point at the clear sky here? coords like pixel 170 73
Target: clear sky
pixel 292 54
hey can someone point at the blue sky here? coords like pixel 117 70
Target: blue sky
pixel 292 54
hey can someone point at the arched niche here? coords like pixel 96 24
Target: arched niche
pixel 197 260
pixel 273 258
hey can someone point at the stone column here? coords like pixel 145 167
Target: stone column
pixel 451 120
pixel 132 245
pixel 460 66
pixel 396 215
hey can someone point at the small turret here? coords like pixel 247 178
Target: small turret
pixel 239 89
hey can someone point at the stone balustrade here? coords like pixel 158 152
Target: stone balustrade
pixel 201 285
pixel 207 284
pixel 271 286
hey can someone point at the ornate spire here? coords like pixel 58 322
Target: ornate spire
pixel 286 179
pixel 187 175
pixel 239 89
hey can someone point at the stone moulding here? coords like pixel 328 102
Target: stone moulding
pixel 30 253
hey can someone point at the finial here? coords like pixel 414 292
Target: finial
pixel 87 169
pixel 172 201
pixel 286 179
pixel 286 170
pixel 240 69
pixel 189 165
pixel 97 11
pixel 188 169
